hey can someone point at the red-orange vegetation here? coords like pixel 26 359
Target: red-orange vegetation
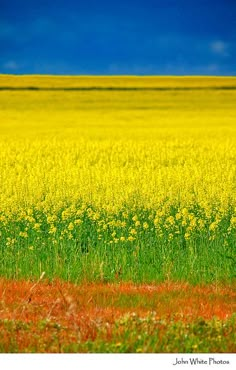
pixel 32 302
pixel 76 312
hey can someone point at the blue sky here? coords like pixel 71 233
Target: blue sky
pixel 140 37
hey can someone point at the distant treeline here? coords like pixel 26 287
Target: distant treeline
pixel 116 88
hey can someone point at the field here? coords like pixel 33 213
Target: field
pixel 120 193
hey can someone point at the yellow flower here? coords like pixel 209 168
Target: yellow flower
pixel 71 226
pixel 201 223
pixel 178 216
pixel 70 236
pixel 156 221
pixel 170 220
pixel 187 236
pixel 23 234
pixel 37 226
pixel 213 226
pixel 10 241
pixel 233 221
pixel 51 219
pixel 52 229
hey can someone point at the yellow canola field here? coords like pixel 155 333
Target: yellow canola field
pixel 47 81
pixel 118 149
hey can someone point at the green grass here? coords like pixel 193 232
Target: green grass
pixel 129 334
pixel 93 251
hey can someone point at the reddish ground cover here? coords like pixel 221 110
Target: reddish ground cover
pixel 24 300
pixel 60 305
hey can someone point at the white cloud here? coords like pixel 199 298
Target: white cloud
pixel 219 47
pixel 212 68
pixel 11 65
